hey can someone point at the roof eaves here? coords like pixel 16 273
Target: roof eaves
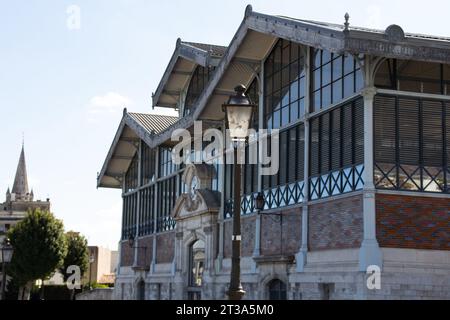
pixel 189 52
pixel 111 150
pixel 319 35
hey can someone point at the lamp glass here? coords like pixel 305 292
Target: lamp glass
pixel 7 253
pixel 239 118
pixel 259 201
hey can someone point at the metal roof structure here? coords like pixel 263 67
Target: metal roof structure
pixel 153 122
pixel 132 128
pixel 186 57
pixel 241 60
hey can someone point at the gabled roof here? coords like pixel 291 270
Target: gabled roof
pixel 186 57
pixel 153 122
pixel 132 128
pixel 255 37
pixel 258 32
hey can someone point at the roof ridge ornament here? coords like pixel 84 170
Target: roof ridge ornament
pixel 346 23
pixel 394 33
pixel 248 10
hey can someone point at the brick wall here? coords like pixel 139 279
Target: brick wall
pixel 145 251
pixel 248 236
pixel 126 255
pixel 413 222
pixel 281 237
pixel 165 247
pixel 336 224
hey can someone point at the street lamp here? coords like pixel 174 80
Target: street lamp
pixel 259 200
pixel 91 261
pixel 7 252
pixel 238 111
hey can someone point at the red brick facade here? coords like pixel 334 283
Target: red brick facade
pixel 126 255
pixel 248 236
pixel 336 224
pixel 145 251
pixel 281 238
pixel 413 222
pixel 165 247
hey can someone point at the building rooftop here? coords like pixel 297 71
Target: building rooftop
pixel 153 123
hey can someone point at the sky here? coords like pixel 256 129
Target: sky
pixel 64 82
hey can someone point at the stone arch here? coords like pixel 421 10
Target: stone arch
pixel 140 288
pixel 277 289
pixel 264 292
pixel 375 65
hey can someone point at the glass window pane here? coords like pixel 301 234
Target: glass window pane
pixel 294 68
pixel 276 119
pixel 277 57
pixel 269 122
pixel 277 81
pixel 348 85
pixel 326 74
pixel 286 53
pixel 337 68
pixel 348 64
pixel 276 103
pixel 268 85
pixel 326 96
pixel 316 76
pixel 285 77
pixel 337 91
pixel 268 104
pixel 317 54
pixel 294 111
pixel 317 101
pixel 359 80
pixel 302 87
pixel 294 91
pixel 295 48
pixel 285 96
pixel 285 116
pixel 301 107
pixel 326 56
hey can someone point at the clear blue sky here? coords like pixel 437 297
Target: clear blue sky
pixel 65 89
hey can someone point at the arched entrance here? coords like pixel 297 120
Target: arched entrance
pixel 141 290
pixel 196 268
pixel 277 290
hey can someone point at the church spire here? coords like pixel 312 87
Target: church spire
pixel 20 187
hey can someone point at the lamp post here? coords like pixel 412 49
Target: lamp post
pixel 238 111
pixel 7 252
pixel 91 261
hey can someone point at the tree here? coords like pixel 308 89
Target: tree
pixel 77 254
pixel 39 249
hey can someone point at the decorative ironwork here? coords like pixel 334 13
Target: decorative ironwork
pixel 165 224
pixel 276 197
pixel 336 182
pixel 411 144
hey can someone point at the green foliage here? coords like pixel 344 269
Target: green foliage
pixel 39 246
pixel 77 253
pixel 99 286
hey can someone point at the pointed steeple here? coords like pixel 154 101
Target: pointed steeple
pixel 20 187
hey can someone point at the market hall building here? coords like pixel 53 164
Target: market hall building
pixel 364 177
